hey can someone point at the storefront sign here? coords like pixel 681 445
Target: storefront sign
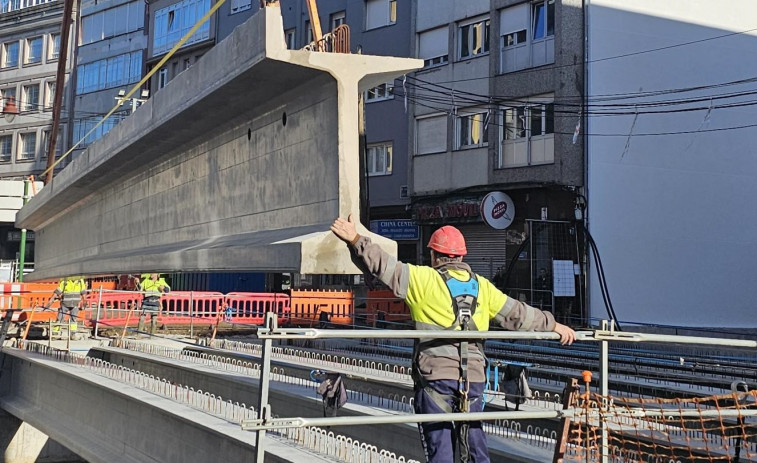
pixel 398 229
pixel 498 210
pixel 460 209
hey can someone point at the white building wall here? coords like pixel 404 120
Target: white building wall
pixel 674 215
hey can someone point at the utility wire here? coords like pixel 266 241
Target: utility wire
pixel 653 50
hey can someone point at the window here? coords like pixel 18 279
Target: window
pixel 27 146
pixel 289 37
pixel 309 32
pixel 162 78
pixel 187 64
pixel 33 50
pixel 528 133
pixel 82 128
pixel 472 129
pixel 46 143
pixel 6 147
pixel 433 47
pixel 543 14
pixel 527 35
pixel 31 98
pixel 337 19
pixel 54 47
pixel 109 23
pixel 379 13
pixel 431 134
pixel 382 92
pixel 174 21
pixel 10 55
pixel 378 159
pixel 240 5
pixel 8 95
pixel 109 73
pixel 473 39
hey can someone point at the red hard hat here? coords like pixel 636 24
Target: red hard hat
pixel 448 240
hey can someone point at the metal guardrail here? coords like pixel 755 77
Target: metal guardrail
pixel 265 421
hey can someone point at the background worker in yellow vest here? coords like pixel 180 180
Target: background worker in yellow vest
pixel 70 292
pixel 152 285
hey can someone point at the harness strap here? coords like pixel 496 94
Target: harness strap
pixel 464 295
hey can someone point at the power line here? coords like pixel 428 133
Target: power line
pixel 652 50
pixel 449 113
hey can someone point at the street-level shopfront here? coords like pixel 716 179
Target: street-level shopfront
pixel 538 237
pixel 487 246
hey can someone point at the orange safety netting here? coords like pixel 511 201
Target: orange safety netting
pixel 718 428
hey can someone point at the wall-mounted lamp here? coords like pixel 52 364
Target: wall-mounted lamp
pixel 10 109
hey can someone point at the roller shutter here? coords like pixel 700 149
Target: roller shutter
pixel 486 248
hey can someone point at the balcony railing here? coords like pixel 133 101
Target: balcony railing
pixel 7 6
pixel 336 41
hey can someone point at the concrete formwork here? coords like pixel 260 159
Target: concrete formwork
pixel 240 163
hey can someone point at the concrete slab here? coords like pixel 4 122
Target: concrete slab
pixel 239 164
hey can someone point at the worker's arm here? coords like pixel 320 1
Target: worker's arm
pixel 515 315
pixel 378 262
pixel 56 295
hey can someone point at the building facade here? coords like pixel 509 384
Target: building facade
pixel 110 59
pixel 29 53
pixel 168 22
pixel 493 149
pixel 671 160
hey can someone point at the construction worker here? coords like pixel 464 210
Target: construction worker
pixel 449 375
pixel 153 286
pixel 70 292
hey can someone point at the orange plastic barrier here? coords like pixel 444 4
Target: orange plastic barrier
pixel 250 308
pixel 384 301
pixel 307 306
pixel 114 307
pixel 184 307
pixel 25 296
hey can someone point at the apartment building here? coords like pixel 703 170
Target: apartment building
pixel 168 22
pixel 29 52
pixel 494 113
pixel 110 59
pixel 376 27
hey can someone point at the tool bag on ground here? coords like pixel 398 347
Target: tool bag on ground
pixel 514 384
pixel 333 392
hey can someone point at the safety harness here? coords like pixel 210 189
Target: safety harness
pixel 464 296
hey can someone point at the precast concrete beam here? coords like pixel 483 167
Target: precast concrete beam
pixel 240 163
pixel 105 421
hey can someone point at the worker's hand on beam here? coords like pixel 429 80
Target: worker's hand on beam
pixel 345 229
pixel 567 335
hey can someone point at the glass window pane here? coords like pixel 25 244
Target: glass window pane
pixel 550 18
pixel 536 120
pixel 464 41
pixel 120 26
pixel 486 36
pixel 34 51
pixel 477 39
pixel 539 20
pixel 477 124
pixel 549 118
